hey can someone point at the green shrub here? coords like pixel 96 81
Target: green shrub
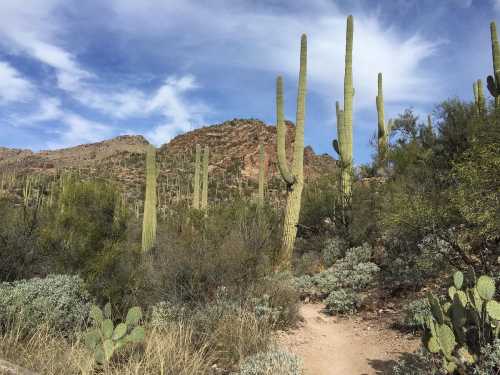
pixel 490 363
pixel 343 301
pixel 272 363
pixel 59 300
pixel 418 363
pixel 333 250
pixel 277 299
pixel 165 313
pixel 354 271
pixel 414 314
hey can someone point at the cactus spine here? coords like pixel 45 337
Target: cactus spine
pixel 293 178
pixel 204 188
pixel 343 143
pixel 196 187
pixel 493 82
pixel 260 197
pixel 149 218
pixel 384 128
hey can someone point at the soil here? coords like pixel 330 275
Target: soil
pixel 346 346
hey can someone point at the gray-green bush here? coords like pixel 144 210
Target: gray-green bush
pixel 59 300
pixel 273 362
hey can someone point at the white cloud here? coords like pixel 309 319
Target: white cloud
pixel 261 39
pixel 79 130
pixel 13 86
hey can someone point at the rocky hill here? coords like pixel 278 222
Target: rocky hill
pixel 233 164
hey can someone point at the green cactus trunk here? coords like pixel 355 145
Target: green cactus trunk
pixel 479 100
pixel 493 82
pixel 196 182
pixel 260 197
pixel 294 178
pixel 204 188
pixel 384 129
pixel 149 218
pixel 343 143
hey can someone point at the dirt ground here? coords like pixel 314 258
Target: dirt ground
pixel 342 346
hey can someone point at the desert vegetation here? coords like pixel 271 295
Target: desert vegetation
pixel 192 277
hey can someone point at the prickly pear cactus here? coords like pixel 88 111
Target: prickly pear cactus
pixel 104 338
pixel 458 329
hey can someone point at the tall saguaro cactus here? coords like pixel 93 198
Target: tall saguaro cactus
pixel 343 143
pixel 196 182
pixel 204 188
pixel 479 100
pixel 493 82
pixel 384 128
pixel 294 177
pixel 149 219
pixel 260 196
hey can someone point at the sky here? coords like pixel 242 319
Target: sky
pixel 74 72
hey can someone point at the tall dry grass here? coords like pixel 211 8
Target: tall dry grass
pixel 166 351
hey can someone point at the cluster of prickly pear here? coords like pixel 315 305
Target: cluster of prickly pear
pixel 459 328
pixel 104 338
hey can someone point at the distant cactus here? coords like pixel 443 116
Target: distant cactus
pixel 260 197
pixel 204 187
pixel 343 143
pixel 384 128
pixel 196 182
pixel 493 82
pixel 149 220
pixel 293 178
pixel 104 338
pixel 479 99
pixel 460 328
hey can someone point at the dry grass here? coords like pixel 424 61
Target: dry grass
pixel 166 351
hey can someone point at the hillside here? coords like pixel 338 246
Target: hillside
pixel 233 164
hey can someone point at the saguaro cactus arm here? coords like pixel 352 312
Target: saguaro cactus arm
pixel 298 147
pixel 281 134
pixel 493 82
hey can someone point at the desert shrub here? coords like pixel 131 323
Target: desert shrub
pixel 165 312
pixel 343 301
pixel 351 274
pixel 20 251
pixel 86 235
pixel 307 264
pixel 490 364
pixel 230 331
pixel 61 301
pixel 277 298
pixel 414 314
pixel 333 250
pixel 273 362
pixel 233 249
pixel 418 363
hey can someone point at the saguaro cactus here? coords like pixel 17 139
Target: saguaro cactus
pixel 149 219
pixel 384 128
pixel 493 82
pixel 343 143
pixel 260 196
pixel 196 182
pixel 479 100
pixel 293 178
pixel 204 188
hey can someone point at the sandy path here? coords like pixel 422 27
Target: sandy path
pixel 334 346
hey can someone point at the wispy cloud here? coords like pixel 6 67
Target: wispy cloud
pixel 13 86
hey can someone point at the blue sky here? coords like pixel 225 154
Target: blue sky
pixel 73 73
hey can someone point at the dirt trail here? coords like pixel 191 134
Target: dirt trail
pixel 337 346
